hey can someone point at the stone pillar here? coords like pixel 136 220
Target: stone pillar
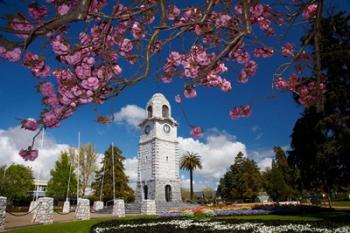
pixel 66 207
pixel 98 205
pixel 148 207
pixel 82 212
pixel 2 212
pixel 118 208
pixel 33 204
pixel 44 211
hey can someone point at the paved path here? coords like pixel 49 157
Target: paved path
pixel 14 222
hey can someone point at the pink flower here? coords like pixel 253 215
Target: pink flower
pixel 190 92
pixel 226 85
pixel 173 12
pixel 36 11
pixel 287 50
pixel 241 56
pixel 51 119
pixel 263 52
pixel 63 9
pixel 310 11
pixel 59 45
pixel 137 31
pixel 117 70
pixel 125 46
pixel 30 124
pixel 196 131
pixel 241 111
pixel 178 99
pixel 223 21
pixel 257 10
pixel 22 26
pixel 280 83
pixel 47 89
pixel 74 58
pixel 13 55
pixel 29 154
pixel 90 83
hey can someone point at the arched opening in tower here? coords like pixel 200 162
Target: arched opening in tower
pixel 165 111
pixel 168 194
pixel 149 111
pixel 145 192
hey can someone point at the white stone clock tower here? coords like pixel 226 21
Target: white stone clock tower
pixel 158 162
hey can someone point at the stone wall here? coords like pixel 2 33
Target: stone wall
pixel 148 207
pixel 2 212
pixel 98 205
pixel 66 207
pixel 44 211
pixel 82 211
pixel 118 208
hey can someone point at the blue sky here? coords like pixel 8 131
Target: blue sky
pixel 270 124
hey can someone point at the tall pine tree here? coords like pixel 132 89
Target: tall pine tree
pixel 104 177
pixel 320 139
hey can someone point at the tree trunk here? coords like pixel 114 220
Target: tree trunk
pixel 191 184
pixel 329 197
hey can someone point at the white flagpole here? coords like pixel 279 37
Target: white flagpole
pixel 113 172
pixel 78 166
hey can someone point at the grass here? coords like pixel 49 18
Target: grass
pixel 341 204
pixel 84 226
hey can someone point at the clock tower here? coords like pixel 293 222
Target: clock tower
pixel 158 162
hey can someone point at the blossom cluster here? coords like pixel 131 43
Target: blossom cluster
pixel 240 111
pixel 10 55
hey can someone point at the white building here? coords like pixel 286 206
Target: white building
pixel 158 159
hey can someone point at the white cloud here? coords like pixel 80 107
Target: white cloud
pixel 14 139
pixel 130 165
pixel 264 164
pixel 130 114
pixel 217 153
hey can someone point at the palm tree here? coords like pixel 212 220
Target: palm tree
pixel 190 161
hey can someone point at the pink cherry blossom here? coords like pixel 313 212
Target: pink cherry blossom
pixel 190 92
pixel 280 83
pixel 287 50
pixel 22 26
pixel 137 31
pixel 241 111
pixel 125 46
pixel 173 12
pixel 12 55
pixel 241 56
pixel 47 89
pixel 310 11
pixel 36 64
pixel 226 85
pixel 73 58
pixel 63 9
pixel 30 124
pixel 29 154
pixel 36 11
pixel 196 131
pixel 178 99
pixel 59 45
pixel 263 52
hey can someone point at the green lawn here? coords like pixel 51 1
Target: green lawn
pixel 341 204
pixel 84 226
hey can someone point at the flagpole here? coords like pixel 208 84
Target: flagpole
pixel 78 166
pixel 113 172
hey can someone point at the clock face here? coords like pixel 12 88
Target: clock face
pixel 147 129
pixel 166 128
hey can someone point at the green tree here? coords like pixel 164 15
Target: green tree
pixel 104 177
pixel 320 139
pixel 280 180
pixel 190 161
pixel 17 182
pixel 242 182
pixel 61 175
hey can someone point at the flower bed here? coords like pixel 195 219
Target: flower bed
pixel 164 225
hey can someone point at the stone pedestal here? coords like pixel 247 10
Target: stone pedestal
pixel 118 208
pixel 98 205
pixel 32 205
pixel 2 212
pixel 82 212
pixel 148 207
pixel 44 211
pixel 66 207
